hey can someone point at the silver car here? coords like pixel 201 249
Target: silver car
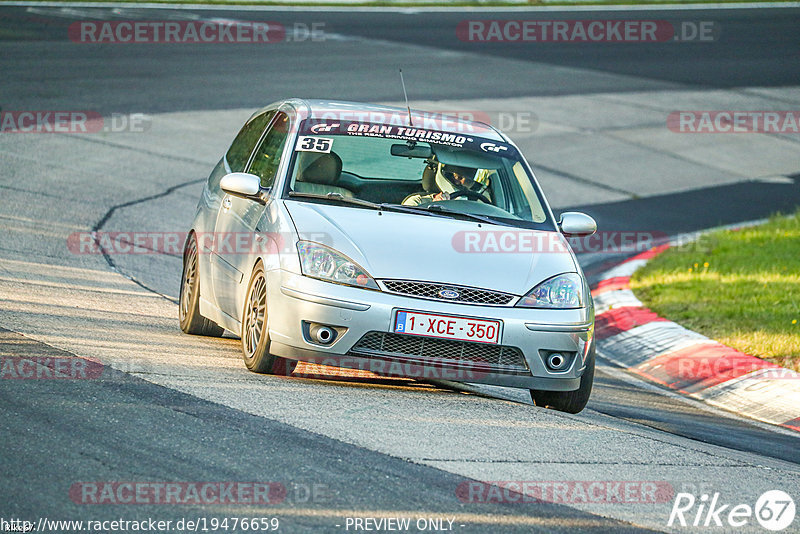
pixel 398 242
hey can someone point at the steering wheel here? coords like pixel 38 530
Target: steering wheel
pixel 472 195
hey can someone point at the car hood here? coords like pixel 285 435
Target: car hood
pixel 438 249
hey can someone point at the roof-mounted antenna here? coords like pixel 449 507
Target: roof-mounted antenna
pixel 403 83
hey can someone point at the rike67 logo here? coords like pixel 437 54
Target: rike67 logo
pixel 774 510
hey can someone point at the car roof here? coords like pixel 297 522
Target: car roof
pixel 381 114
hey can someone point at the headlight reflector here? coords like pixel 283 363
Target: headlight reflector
pixel 560 292
pixel 324 263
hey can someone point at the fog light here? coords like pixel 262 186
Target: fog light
pixel 319 333
pixel 556 361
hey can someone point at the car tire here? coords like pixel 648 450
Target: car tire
pixel 255 331
pixel 568 401
pixel 189 302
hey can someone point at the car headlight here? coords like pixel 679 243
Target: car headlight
pixel 561 292
pixel 319 261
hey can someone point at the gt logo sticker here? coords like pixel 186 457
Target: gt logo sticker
pixel 314 144
pixel 321 128
pixel 491 147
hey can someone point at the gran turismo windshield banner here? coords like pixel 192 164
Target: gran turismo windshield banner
pixel 409 133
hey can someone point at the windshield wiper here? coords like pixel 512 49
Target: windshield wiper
pixel 431 210
pixel 338 197
pixel 406 209
pixel 435 208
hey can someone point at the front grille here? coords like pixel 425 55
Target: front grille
pixel 466 295
pixel 400 346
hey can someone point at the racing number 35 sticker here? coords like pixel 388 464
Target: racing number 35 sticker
pixel 314 144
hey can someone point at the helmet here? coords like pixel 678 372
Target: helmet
pixel 448 177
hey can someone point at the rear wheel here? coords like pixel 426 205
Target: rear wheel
pixel 255 331
pixel 189 303
pixel 568 401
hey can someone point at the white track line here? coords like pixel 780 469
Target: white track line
pixel 625 376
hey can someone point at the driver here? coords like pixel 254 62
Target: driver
pixel 450 179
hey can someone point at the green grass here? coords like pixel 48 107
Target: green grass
pixel 741 288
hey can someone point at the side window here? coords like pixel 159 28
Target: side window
pixel 246 140
pixel 528 208
pixel 268 155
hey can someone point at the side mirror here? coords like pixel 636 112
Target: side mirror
pixel 242 184
pixel 573 223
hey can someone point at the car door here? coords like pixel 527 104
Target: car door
pixel 237 219
pixel 235 160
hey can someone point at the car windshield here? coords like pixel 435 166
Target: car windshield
pixel 426 171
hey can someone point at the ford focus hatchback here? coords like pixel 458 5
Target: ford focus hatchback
pixel 405 244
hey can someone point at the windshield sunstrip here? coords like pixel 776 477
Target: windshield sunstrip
pixel 409 133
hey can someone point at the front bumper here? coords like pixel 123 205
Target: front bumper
pixel 363 321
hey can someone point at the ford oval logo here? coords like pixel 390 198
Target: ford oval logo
pixel 449 294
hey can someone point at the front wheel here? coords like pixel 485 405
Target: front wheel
pixel 255 332
pixel 568 401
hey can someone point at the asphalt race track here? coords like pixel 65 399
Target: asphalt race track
pixel 172 408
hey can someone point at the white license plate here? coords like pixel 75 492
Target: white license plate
pixel 447 327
